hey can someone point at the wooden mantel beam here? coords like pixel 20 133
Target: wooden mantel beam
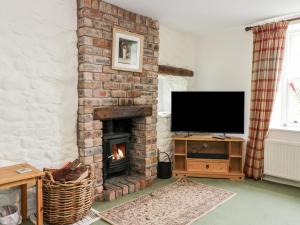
pixel 122 112
pixel 171 70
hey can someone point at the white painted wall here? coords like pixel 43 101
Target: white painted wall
pixel 176 49
pixel 38 87
pixel 224 64
pixel 164 137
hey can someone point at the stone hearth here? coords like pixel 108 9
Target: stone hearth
pixel 101 87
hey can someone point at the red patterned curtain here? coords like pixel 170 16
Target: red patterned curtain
pixel 268 51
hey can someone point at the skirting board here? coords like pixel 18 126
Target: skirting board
pixel 281 181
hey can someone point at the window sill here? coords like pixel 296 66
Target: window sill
pixel 288 129
pixel 164 114
pixel 286 134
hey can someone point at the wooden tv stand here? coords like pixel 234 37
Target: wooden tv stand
pixel 206 156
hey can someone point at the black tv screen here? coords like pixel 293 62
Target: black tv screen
pixel 216 112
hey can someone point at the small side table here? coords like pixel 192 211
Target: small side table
pixel 10 178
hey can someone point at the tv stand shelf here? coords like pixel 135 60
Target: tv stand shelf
pixel 209 157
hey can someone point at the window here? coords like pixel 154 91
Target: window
pixel 167 84
pixel 286 112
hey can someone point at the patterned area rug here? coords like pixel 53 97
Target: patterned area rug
pixel 179 203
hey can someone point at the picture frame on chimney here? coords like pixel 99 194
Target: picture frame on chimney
pixel 127 51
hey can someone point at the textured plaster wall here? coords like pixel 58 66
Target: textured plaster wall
pixel 164 137
pixel 38 85
pixel 176 49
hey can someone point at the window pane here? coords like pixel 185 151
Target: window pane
pixel 293 101
pixel 293 69
pixel 286 110
pixel 293 79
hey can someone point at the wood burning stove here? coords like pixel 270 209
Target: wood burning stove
pixel 115 151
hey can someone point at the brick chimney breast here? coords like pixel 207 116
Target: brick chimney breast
pixel 100 86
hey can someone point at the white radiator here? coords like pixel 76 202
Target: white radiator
pixel 282 159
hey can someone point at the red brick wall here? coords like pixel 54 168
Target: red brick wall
pixel 99 85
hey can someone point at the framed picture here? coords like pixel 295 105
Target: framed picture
pixel 127 52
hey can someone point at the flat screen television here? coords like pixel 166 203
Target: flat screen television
pixel 215 112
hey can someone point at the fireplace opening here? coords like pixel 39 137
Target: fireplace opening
pixel 116 148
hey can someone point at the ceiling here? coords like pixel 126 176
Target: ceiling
pixel 203 16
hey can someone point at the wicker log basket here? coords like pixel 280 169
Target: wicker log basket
pixel 66 202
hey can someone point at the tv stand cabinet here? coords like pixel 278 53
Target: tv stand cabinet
pixel 206 156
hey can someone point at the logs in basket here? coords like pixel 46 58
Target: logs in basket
pixel 66 202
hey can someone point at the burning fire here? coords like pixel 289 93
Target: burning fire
pixel 118 155
pixel 118 152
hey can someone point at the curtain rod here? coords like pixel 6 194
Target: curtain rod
pixel 289 20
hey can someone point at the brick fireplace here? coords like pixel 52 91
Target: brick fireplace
pixel 100 88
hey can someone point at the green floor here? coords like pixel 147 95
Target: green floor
pixel 256 203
